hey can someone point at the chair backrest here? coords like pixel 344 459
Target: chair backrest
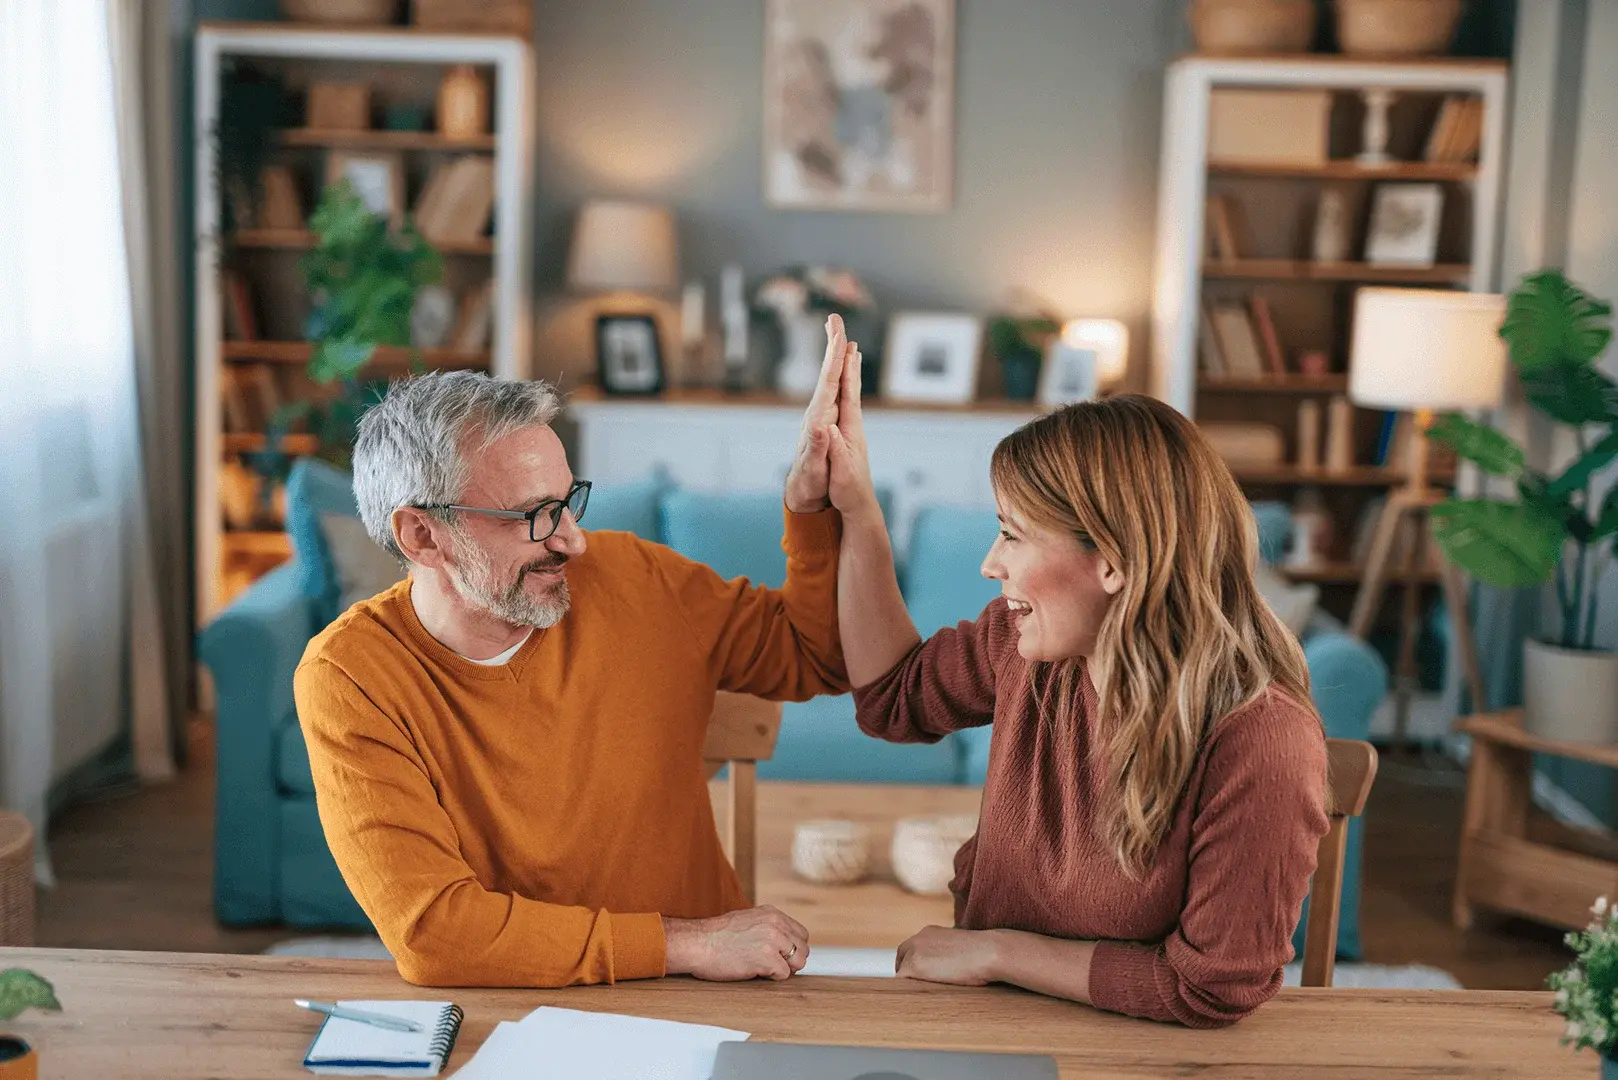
pixel 741 733
pixel 1350 772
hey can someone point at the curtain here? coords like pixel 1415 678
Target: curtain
pixel 71 471
pixel 143 100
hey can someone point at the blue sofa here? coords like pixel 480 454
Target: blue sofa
pixel 271 860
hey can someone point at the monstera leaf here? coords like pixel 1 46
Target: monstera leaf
pixel 1552 322
pixel 1492 451
pixel 1507 545
pixel 21 989
pixel 1574 394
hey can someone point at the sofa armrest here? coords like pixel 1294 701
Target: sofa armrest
pixel 252 649
pixel 1348 679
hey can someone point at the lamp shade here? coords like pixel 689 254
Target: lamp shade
pixel 623 245
pixel 1427 349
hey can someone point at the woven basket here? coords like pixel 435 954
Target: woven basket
pixel 1395 29
pixel 341 12
pixel 514 17
pixel 1251 27
pixel 16 880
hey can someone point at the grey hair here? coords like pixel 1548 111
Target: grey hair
pixel 414 446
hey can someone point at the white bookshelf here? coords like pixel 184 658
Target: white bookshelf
pixel 506 260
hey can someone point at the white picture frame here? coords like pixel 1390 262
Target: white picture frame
pixel 1088 355
pixel 1405 220
pixel 931 358
pixel 377 177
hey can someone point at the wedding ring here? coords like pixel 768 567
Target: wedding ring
pixel 792 951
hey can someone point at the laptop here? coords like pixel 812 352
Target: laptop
pixel 789 1061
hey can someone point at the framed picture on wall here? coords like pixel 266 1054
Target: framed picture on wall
pixel 1404 225
pixel 859 104
pixel 629 359
pixel 377 178
pixel 932 358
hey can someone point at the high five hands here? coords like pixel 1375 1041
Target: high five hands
pixel 831 468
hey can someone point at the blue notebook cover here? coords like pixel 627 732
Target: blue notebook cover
pixel 353 1048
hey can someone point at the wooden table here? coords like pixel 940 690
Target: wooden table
pixel 876 913
pixel 1550 872
pixel 174 1016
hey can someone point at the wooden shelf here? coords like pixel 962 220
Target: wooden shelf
pixel 256 543
pixel 1351 170
pixel 1358 476
pixel 303 239
pixel 1507 728
pixel 1274 384
pixel 1333 573
pixel 385 140
pixel 297 353
pixel 244 442
pixel 1305 270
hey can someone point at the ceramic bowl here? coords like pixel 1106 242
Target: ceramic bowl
pixel 924 850
pixel 831 852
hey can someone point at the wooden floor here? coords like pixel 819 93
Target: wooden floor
pixel 135 873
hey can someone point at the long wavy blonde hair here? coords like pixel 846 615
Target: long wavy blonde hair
pixel 1188 639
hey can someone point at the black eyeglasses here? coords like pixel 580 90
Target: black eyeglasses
pixel 578 497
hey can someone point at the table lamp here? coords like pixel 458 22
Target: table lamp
pixel 626 247
pixel 1422 351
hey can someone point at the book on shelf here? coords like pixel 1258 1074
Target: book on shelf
pixel 1237 341
pixel 1457 134
pixel 1274 360
pixel 457 200
pixel 1222 229
pixel 1213 357
pixel 237 301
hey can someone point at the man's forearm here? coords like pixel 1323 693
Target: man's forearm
pixel 1053 966
pixel 875 627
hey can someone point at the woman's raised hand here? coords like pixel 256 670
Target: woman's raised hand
pixel 808 485
pixel 850 486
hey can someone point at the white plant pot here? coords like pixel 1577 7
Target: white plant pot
pixel 1570 694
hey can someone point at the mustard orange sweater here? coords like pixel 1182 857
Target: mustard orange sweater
pixel 528 824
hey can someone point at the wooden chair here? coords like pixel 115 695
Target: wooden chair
pixel 1350 771
pixel 742 733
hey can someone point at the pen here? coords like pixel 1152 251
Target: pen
pixel 341 1012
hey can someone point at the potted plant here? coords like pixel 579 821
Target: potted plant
pixel 800 299
pixel 364 280
pixel 21 989
pixel 1587 989
pixel 1556 529
pixel 1019 342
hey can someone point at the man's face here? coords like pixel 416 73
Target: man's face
pixel 495 566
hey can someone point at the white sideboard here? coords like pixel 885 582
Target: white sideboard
pixel 705 442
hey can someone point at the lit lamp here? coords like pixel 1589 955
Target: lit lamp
pixel 1423 351
pixel 630 247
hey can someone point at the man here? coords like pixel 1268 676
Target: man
pixel 507 745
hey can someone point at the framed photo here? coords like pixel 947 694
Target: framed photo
pixel 1070 373
pixel 1404 225
pixel 932 358
pixel 859 104
pixel 629 359
pixel 377 178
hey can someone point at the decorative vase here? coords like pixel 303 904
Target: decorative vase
pixel 1396 29
pixel 463 104
pixel 924 850
pixel 1021 371
pixel 804 336
pixel 831 852
pixel 1570 695
pixel 18 1060
pixel 1251 27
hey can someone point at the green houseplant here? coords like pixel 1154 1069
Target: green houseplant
pixel 1556 529
pixel 20 990
pixel 363 280
pixel 1018 342
pixel 1587 989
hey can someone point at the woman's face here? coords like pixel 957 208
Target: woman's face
pixel 1059 590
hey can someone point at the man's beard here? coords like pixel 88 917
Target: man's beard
pixel 475 577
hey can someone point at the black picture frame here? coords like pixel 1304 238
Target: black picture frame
pixel 629 356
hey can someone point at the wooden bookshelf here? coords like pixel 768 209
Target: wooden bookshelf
pixel 303 240
pixel 1359 272
pixel 429 141
pixel 1274 384
pixel 1442 171
pixel 296 353
pixel 1368 476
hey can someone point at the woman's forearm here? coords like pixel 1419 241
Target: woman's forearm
pixel 1056 967
pixel 876 629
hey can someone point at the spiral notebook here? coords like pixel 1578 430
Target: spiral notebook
pixel 352 1048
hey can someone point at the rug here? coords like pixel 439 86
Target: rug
pixel 878 964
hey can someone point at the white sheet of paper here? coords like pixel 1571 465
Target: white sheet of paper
pixel 563 1044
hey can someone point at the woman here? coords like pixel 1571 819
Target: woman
pixel 1156 781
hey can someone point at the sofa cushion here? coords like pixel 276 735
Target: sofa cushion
pixel 315 488
pixel 363 568
pixel 820 740
pixel 738 534
pixel 313 894
pixel 944 583
pixel 626 507
pixel 292 774
pixel 1274 521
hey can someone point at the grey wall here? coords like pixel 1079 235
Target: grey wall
pixel 1056 147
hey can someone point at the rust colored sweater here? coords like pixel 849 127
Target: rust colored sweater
pixel 529 824
pixel 1202 937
